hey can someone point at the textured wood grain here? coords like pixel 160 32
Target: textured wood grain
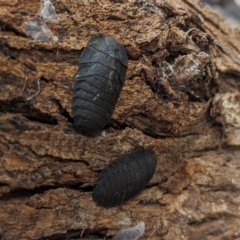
pixel 180 98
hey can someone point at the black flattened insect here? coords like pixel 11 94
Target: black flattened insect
pixel 99 80
pixel 124 178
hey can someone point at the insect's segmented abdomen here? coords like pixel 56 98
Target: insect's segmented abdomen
pixel 99 80
pixel 124 178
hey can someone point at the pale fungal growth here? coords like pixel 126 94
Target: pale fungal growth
pixel 133 233
pixel 193 69
pixel 38 30
pixel 48 13
pixel 55 38
pixel 170 68
pixel 103 133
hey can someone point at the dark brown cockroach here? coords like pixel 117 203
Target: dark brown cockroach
pixel 124 178
pixel 99 80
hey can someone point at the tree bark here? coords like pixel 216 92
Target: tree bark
pixel 181 98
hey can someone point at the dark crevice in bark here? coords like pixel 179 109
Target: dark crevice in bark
pixel 8 53
pixel 3 184
pixel 115 125
pixel 57 159
pixel 122 126
pixel 20 106
pixel 229 149
pixel 231 79
pixel 210 218
pixel 41 118
pixel 87 188
pixel 71 56
pixel 153 135
pixel 203 150
pixel 97 233
pixel 63 111
pixel 26 193
pixel 150 131
pixel 151 202
pixel 17 105
pixel 228 187
pixel 27 14
pixel 7 27
pixel 119 126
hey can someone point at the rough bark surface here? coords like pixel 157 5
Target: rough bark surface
pixel 181 98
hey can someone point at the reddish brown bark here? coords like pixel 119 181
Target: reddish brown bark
pixel 181 99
